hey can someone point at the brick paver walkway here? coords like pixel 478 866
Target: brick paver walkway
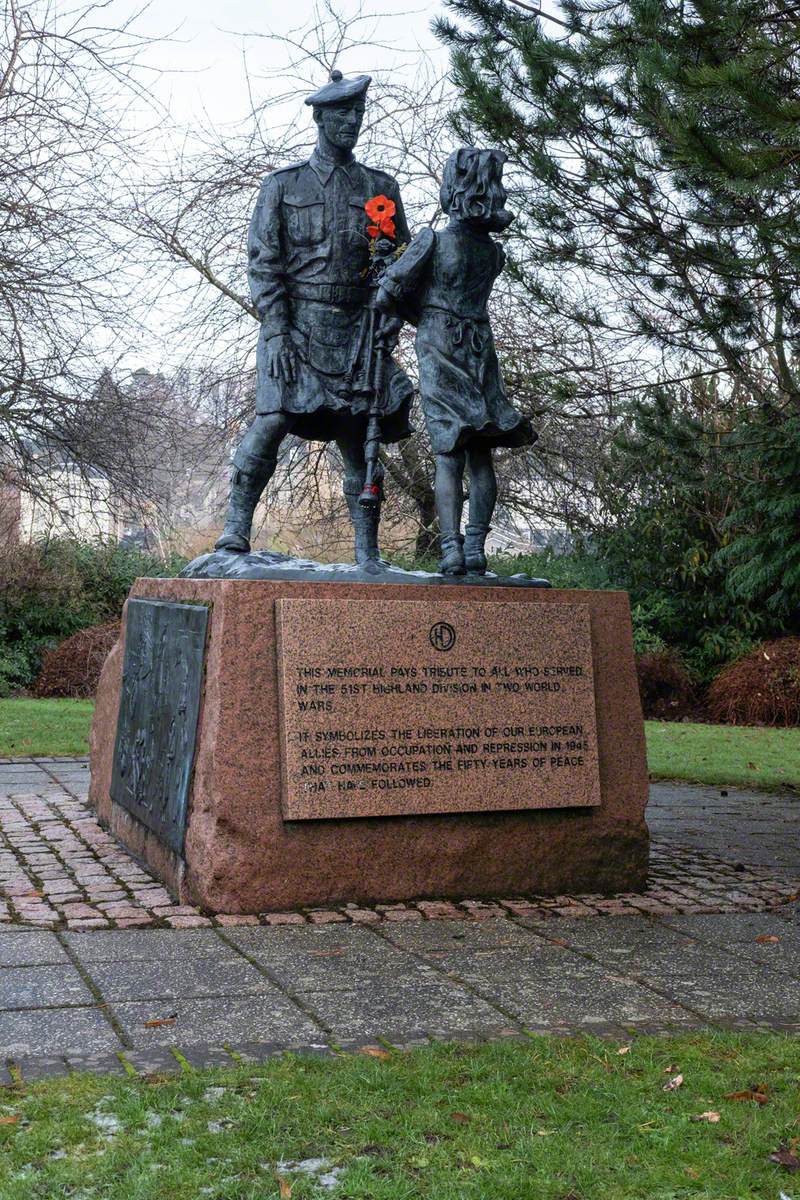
pixel 99 969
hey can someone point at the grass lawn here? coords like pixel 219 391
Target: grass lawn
pixel 552 1120
pixel 48 727
pixel 720 754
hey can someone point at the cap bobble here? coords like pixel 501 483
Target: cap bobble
pixel 336 76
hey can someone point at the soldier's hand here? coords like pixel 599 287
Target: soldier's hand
pixel 282 358
pixel 390 332
pixel 384 301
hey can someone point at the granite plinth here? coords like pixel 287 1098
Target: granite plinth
pixel 242 855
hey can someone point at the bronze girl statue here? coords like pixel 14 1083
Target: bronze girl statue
pixel 442 284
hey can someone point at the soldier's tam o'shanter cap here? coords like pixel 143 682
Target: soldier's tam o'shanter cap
pixel 339 89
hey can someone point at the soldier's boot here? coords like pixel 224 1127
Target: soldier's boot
pixel 475 548
pixel 365 527
pixel 452 560
pixel 246 489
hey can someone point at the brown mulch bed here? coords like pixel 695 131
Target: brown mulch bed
pixel 72 668
pixel 761 688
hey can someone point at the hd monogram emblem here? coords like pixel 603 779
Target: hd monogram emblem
pixel 442 636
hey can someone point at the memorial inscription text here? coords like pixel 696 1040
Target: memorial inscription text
pixel 423 707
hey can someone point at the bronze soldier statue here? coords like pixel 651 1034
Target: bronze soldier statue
pixel 309 260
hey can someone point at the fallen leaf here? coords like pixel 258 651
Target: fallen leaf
pixel 711 1117
pixel 673 1084
pixel 767 939
pixel 752 767
pixel 558 942
pixel 784 1157
pixel 758 1094
pixel 157 1022
pixel 375 1052
pixel 671 1069
pixel 284 1187
pixel 691 1172
pixel 9 1120
pixel 461 1118
pixel 624 1050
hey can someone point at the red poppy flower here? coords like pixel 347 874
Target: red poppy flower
pixel 380 210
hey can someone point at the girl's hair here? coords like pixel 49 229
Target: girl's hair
pixel 470 178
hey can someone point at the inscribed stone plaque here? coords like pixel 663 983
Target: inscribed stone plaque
pixel 162 680
pixel 406 707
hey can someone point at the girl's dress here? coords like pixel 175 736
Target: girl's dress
pixel 443 283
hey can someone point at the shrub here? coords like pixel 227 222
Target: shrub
pixel 667 690
pixel 762 688
pixel 73 668
pixel 49 590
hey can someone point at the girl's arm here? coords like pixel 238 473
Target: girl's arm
pixel 403 279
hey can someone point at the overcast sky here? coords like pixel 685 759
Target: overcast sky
pixel 203 61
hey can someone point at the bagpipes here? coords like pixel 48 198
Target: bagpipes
pixel 376 353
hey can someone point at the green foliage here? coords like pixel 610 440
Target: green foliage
pixel 577 569
pixel 51 589
pixel 670 492
pixel 657 179
pixel 763 554
pixel 655 148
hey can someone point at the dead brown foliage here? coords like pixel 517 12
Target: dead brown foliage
pixel 666 688
pixel 761 688
pixel 73 667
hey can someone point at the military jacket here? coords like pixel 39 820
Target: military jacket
pixel 308 252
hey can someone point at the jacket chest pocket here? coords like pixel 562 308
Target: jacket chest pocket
pixel 355 222
pixel 305 221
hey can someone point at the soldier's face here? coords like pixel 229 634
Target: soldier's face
pixel 341 123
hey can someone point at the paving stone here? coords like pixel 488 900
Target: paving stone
pixel 391 1009
pixel 439 936
pixel 739 933
pixel 259 1052
pixel 187 922
pixel 40 987
pixel 140 945
pixel 24 948
pixel 156 1060
pixel 96 1064
pixel 41 1067
pixel 311 958
pixel 547 986
pixel 363 916
pixel 202 1057
pixel 66 1031
pixel 692 973
pixel 181 977
pixel 266 1016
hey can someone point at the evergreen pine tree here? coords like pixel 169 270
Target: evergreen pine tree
pixel 657 154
